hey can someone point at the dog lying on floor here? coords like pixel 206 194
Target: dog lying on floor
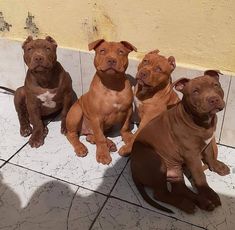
pixel 180 138
pixel 107 103
pixel 47 90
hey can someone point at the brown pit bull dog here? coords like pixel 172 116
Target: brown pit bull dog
pixel 47 89
pixel 153 92
pixel 179 138
pixel 107 103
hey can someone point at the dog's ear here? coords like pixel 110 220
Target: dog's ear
pixel 171 61
pixel 51 40
pixel 213 73
pixel 154 51
pixel 95 44
pixel 28 39
pixel 180 84
pixel 129 46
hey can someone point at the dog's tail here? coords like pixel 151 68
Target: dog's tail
pixel 7 89
pixel 147 198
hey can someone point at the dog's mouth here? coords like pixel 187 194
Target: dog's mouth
pixel 142 83
pixel 216 110
pixel 111 71
pixel 39 68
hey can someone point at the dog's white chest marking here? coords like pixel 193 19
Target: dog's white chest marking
pixel 137 102
pixel 209 139
pixel 46 99
pixel 117 105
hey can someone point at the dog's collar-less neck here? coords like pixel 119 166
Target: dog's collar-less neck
pixel 200 121
pixel 116 83
pixel 45 79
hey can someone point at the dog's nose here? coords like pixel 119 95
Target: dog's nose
pixel 143 74
pixel 38 58
pixel 112 62
pixel 214 100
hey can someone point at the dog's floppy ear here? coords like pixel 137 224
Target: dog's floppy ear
pixel 213 73
pixel 129 46
pixel 171 61
pixel 28 39
pixel 51 40
pixel 180 84
pixel 95 44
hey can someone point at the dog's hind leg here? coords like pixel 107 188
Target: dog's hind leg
pixel 149 169
pixel 74 121
pixel 21 109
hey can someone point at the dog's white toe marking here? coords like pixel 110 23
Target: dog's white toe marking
pixel 46 99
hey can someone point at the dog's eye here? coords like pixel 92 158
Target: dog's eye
pixel 120 52
pixel 29 49
pixel 145 61
pixel 158 69
pixel 102 51
pixel 196 91
pixel 216 85
pixel 48 49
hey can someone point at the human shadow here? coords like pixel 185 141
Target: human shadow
pixel 57 205
pixel 26 204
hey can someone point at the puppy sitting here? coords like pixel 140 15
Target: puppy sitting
pixel 154 91
pixel 180 137
pixel 107 103
pixel 47 89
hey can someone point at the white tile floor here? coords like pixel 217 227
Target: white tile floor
pixel 50 188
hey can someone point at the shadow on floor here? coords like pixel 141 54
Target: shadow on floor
pixel 56 205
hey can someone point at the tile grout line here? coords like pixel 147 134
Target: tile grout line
pixel 151 210
pixel 228 146
pixel 14 154
pixel 222 125
pixel 56 178
pixel 7 161
pixel 81 69
pixel 108 196
pixel 100 193
pixel 71 204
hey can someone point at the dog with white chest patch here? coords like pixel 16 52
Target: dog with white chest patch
pixel 47 90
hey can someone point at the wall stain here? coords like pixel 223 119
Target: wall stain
pixel 31 27
pixel 3 24
pixel 99 25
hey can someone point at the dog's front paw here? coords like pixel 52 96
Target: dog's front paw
pixel 45 131
pixel 90 138
pixel 205 204
pixel 125 150
pixel 187 206
pixel 111 145
pixel 81 150
pixel 221 168
pixel 25 131
pixel 36 139
pixel 211 195
pixel 103 157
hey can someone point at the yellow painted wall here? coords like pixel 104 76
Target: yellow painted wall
pixel 196 32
